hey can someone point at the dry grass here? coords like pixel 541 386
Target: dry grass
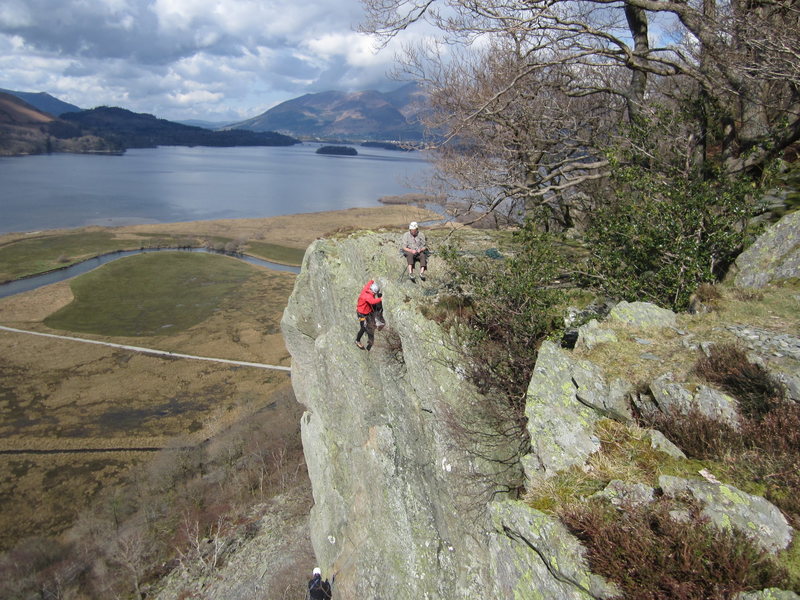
pixel 294 231
pixel 776 309
pixel 653 556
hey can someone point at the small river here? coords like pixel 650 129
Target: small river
pixel 36 281
pixel 174 183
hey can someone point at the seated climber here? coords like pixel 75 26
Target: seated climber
pixel 415 248
pixel 369 309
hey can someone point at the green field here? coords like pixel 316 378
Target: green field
pixel 150 294
pixel 276 253
pixel 45 253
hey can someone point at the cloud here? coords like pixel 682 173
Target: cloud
pixel 221 59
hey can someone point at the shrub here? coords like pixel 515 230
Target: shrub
pixel 650 554
pixel 509 305
pixel 755 389
pixel 664 234
pixel 762 453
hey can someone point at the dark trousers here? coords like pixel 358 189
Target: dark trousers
pixel 367 325
pixel 422 257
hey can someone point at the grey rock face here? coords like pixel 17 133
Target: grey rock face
pixel 728 507
pixel 566 397
pixel 534 557
pixel 389 481
pixel 643 315
pixel 714 404
pixel 394 488
pixel 591 335
pixel 773 256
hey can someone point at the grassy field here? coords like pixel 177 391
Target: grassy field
pixel 278 239
pixel 47 252
pixel 95 408
pixel 275 253
pixel 151 294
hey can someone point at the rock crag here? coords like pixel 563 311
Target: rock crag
pixel 399 508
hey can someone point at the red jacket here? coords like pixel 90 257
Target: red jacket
pixel 366 299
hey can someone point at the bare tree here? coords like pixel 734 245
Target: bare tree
pixel 529 93
pixel 131 550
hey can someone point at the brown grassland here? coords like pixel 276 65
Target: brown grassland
pixel 75 418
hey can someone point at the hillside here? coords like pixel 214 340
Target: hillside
pixel 26 130
pixel 410 473
pixel 139 130
pixel 358 115
pixel 44 102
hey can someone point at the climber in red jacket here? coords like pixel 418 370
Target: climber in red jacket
pixel 370 313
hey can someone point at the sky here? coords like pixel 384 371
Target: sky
pixel 215 60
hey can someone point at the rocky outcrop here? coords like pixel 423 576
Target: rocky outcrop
pixel 405 505
pixel 566 397
pixel 673 397
pixel 536 558
pixel 391 485
pixel 399 509
pixel 775 255
pixel 730 508
pixel 642 315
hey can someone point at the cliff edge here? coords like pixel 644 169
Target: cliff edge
pixel 403 507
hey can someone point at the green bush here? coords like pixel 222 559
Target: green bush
pixel 510 306
pixel 664 234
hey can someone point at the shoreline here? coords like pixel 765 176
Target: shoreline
pixel 292 233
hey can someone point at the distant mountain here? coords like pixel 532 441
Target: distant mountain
pixel 140 130
pixel 214 125
pixel 26 130
pixel 366 115
pixel 44 102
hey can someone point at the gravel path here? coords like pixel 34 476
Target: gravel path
pixel 149 350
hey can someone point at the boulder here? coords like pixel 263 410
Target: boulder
pixel 534 557
pixel 591 335
pixel 775 255
pixel 565 398
pixel 730 508
pixel 642 315
pixel 673 397
pixel 658 441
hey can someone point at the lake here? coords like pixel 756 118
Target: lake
pixel 174 183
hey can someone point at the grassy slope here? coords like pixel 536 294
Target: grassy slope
pixel 150 294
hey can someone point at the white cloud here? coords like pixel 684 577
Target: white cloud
pixel 186 58
pixel 358 49
pixel 14 14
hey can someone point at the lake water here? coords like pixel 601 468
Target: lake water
pixel 174 183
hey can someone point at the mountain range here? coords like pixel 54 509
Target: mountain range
pixel 44 102
pixel 24 129
pixel 364 115
pixel 32 123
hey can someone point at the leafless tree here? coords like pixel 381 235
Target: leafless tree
pixel 131 550
pixel 529 93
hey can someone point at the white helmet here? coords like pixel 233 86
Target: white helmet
pixel 413 225
pixel 375 287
